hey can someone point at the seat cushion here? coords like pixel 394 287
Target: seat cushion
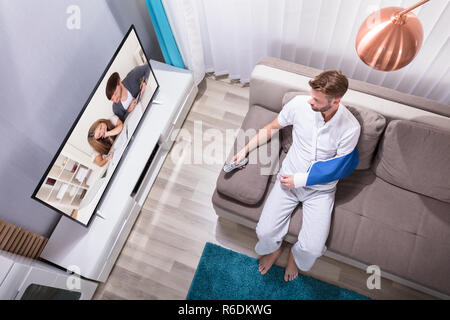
pixel 253 212
pixel 249 212
pixel 372 127
pixel 404 233
pixel 249 184
pixel 415 156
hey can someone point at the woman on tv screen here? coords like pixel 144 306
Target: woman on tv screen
pixel 101 136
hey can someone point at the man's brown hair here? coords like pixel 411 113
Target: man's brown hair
pixel 332 83
pixel 111 85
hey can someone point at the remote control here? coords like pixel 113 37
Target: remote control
pixel 230 167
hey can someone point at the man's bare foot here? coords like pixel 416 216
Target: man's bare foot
pixel 266 261
pixel 291 269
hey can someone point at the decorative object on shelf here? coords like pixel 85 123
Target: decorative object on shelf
pixel 390 38
pixel 73 191
pixel 81 175
pixel 64 162
pixel 51 181
pixel 62 191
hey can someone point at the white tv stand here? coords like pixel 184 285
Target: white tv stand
pixel 94 250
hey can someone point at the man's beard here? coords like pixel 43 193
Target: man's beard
pixel 324 109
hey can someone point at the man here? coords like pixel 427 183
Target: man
pixel 123 93
pixel 323 150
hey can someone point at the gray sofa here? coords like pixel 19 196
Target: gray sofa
pixel 393 210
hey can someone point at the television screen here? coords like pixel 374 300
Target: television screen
pixel 75 181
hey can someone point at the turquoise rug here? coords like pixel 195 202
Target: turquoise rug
pixel 223 274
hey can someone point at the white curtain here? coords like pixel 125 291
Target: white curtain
pixel 229 37
pixel 185 22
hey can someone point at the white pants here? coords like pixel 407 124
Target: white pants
pixel 273 224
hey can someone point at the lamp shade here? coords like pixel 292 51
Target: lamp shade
pixel 388 41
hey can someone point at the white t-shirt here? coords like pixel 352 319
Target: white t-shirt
pixel 126 103
pixel 313 139
pixel 113 120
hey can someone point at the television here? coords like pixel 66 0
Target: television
pixel 84 165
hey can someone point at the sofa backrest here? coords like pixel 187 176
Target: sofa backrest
pixel 270 64
pixel 416 157
pixel 272 78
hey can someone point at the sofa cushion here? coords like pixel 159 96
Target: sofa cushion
pixel 372 127
pixel 415 156
pixel 286 132
pixel 249 184
pixel 253 212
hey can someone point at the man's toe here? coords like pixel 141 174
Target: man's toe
pixel 262 269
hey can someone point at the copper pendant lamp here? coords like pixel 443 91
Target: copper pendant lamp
pixel 390 38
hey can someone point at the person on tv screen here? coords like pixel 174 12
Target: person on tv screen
pixel 124 93
pixel 101 136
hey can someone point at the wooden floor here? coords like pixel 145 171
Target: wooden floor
pixel 161 254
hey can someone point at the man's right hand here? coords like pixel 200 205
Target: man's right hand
pixel 132 105
pixel 261 137
pixel 238 157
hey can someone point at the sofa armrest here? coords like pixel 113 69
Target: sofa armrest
pixel 249 185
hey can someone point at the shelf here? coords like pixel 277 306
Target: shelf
pixel 82 172
pixel 77 201
pixel 66 176
pixel 66 209
pixel 44 192
pixel 72 191
pixel 67 199
pixel 60 162
pixel 84 185
pixel 71 166
pixel 54 172
pixel 64 172
pixel 52 197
